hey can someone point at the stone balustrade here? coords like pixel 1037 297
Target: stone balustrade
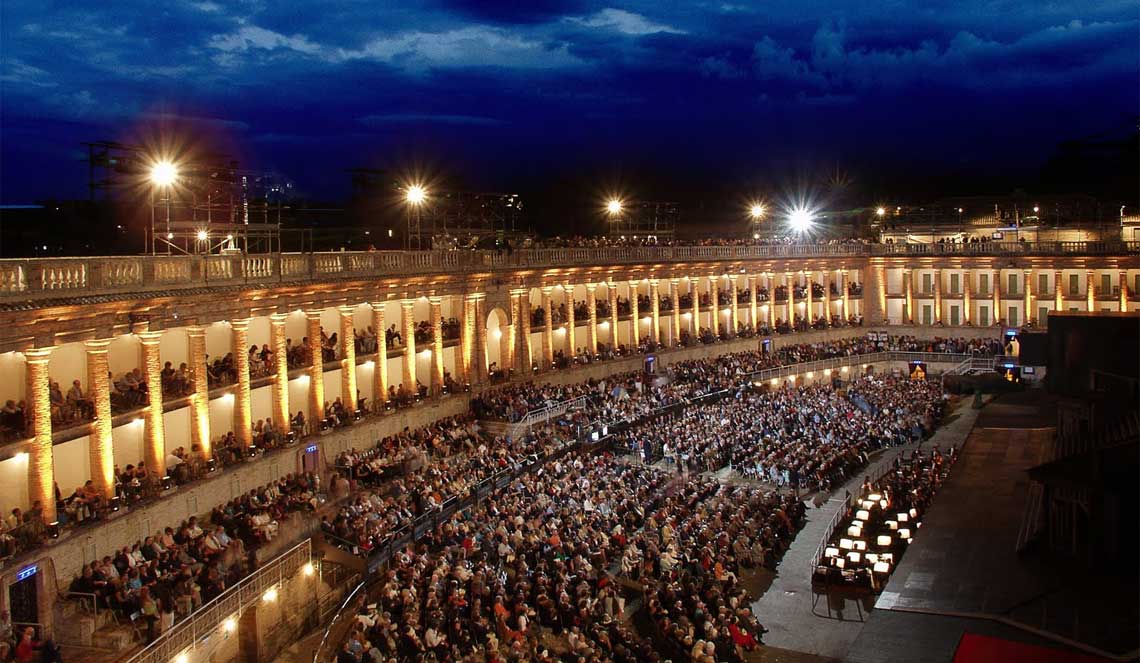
pixel 50 278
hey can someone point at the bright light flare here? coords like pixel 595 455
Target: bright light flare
pixel 163 173
pixel 756 211
pixel 202 235
pixel 415 194
pixel 800 219
pixel 614 206
pixel 881 211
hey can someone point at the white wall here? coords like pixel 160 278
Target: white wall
pixel 13 380
pixel 219 340
pixel 124 354
pixel 68 362
pixel 127 443
pixel 174 347
pixel 72 464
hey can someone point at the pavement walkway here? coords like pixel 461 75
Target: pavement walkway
pixel 786 608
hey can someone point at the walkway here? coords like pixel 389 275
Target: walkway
pixel 785 610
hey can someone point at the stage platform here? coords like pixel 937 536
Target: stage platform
pixel 963 574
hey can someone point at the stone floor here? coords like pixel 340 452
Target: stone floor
pixel 786 608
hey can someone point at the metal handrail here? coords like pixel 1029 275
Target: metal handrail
pixel 189 632
pixel 867 358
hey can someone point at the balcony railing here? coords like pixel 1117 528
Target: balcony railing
pixel 48 278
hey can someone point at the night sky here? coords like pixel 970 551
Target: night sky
pixel 645 97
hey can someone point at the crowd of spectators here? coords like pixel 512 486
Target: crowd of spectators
pixel 168 575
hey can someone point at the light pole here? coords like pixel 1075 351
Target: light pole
pixel 415 197
pixel 163 175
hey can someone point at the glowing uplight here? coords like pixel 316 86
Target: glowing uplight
pixel 202 235
pixel 270 595
pixel 229 625
pixel 800 219
pixel 415 194
pixel 881 211
pixel 163 173
pixel 756 211
pixel 308 569
pixel 182 658
pixel 614 206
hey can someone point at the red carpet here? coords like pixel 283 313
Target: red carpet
pixel 973 648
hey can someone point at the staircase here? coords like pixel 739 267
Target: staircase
pixel 77 625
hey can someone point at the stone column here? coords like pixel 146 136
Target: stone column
pixel 436 319
pixel 967 286
pixel 548 332
pixel 1123 291
pixel 1090 291
pixel 809 311
pixel 154 445
pixel 478 374
pixel 790 285
pixel 908 283
pixel 41 459
pixel 844 277
pixel 199 394
pixel 1058 293
pixel 571 323
pixel 825 276
pixel 463 360
pixel 611 292
pixel 316 370
pixel 100 447
pixel 937 295
pixel 695 291
pixel 675 318
pixel 1028 301
pixel 347 359
pixel 408 325
pixel 770 278
pixel 655 310
pixel 281 380
pixel 997 295
pixel 634 317
pixel 753 305
pixel 714 303
pixel 523 357
pixel 592 313
pixel 380 371
pixel 734 317
pixel 243 417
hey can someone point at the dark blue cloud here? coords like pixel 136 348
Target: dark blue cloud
pixel 714 88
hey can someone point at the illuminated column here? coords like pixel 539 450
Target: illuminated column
pixel 408 324
pixel 100 447
pixel 523 359
pixel 634 317
pixel 825 276
pixel 1028 314
pixel 41 462
pixel 199 393
pixel 347 359
pixel 734 294
pixel 997 295
pixel 281 380
pixel 1123 291
pixel 1058 294
pixel 1090 291
pixel 478 374
pixel 592 313
pixel 770 279
pixel 243 417
pixel 380 371
pixel 463 359
pixel 753 307
pixel 571 323
pixel 967 286
pixel 790 286
pixel 154 451
pixel 436 310
pixel 714 307
pixel 548 333
pixel 810 317
pixel 611 291
pixel 695 292
pixel 675 319
pixel 908 315
pixel 316 368
pixel 655 309
pixel 844 278
pixel 937 295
